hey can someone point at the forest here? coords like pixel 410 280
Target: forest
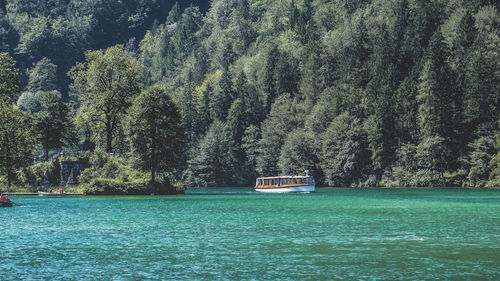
pixel 363 93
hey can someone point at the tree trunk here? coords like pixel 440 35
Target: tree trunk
pixel 46 153
pixel 153 152
pixel 8 168
pixel 9 179
pixel 153 164
pixel 109 138
pixel 153 172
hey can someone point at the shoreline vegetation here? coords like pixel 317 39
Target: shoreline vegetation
pixel 144 97
pixel 83 191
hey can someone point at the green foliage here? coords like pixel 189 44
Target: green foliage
pixel 10 83
pixel 286 114
pixel 212 162
pixel 39 174
pixel 423 165
pixel 482 152
pixel 29 102
pixel 366 93
pixel 109 80
pixel 43 76
pixel 434 92
pixel 345 155
pixel 432 155
pixel 17 140
pixel 112 175
pixel 104 165
pixel 250 145
pixel 154 126
pixel 106 186
pixel 53 126
pixel 299 153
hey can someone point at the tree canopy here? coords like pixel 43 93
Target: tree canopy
pixel 154 126
pixel 362 93
pixel 109 80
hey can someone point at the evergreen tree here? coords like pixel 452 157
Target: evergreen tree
pixel 10 83
pixel 43 77
pixel 345 155
pixel 286 114
pixel 213 161
pixel 154 126
pixel 250 145
pixel 436 106
pixel 221 99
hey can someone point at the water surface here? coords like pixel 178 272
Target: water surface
pixel 235 234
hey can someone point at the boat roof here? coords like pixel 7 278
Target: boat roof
pixel 284 177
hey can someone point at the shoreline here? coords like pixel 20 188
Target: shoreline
pixel 250 188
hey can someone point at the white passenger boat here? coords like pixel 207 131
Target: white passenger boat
pixel 285 184
pixel 60 192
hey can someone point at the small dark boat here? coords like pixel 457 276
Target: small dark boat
pixel 5 201
pixel 6 204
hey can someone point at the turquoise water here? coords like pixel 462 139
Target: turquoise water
pixel 237 234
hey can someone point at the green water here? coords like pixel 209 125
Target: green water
pixel 237 234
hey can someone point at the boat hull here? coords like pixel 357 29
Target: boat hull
pixel 6 204
pixel 291 189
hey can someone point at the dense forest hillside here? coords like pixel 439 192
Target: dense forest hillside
pixel 362 93
pixel 62 30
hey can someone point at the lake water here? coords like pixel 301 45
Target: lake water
pixel 236 234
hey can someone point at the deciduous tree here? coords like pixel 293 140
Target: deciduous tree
pixel 108 80
pixel 17 139
pixel 52 123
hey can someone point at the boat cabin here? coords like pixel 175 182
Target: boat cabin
pixel 284 181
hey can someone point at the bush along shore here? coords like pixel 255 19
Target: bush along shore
pixel 104 174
